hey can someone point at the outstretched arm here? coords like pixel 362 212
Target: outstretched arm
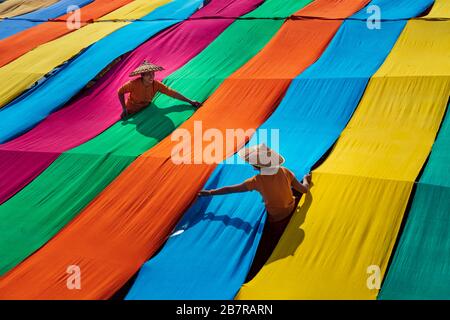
pixel 176 95
pixel 224 190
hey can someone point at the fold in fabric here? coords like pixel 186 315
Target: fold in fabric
pixel 420 268
pixel 113 246
pixel 212 247
pixel 20 23
pixel 22 159
pixel 441 9
pixel 12 8
pixel 79 175
pixel 20 74
pixel 362 189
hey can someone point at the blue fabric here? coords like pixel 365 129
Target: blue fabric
pixel 392 10
pixel 25 112
pixel 14 25
pixel 209 254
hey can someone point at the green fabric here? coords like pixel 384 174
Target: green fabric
pixel 34 215
pixel 421 265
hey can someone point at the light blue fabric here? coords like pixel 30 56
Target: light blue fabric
pixel 394 10
pixel 28 110
pixel 210 252
pixel 13 25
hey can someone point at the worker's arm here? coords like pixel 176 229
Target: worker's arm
pixel 224 190
pixel 176 95
pixel 122 103
pixel 304 186
pixel 126 88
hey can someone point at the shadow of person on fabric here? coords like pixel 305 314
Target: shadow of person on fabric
pixel 295 239
pixel 222 213
pixel 267 245
pixel 237 223
pixel 154 122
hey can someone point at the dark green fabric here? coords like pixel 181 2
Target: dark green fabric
pixel 40 210
pixel 420 268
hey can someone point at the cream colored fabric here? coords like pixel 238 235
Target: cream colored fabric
pixel 12 8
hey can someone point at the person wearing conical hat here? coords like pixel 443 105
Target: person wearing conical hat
pixel 280 190
pixel 142 90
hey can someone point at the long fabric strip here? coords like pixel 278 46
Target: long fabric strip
pixel 362 189
pixel 211 249
pixel 114 245
pixel 43 145
pixel 12 8
pixel 421 265
pixel 21 73
pixel 16 45
pixel 22 159
pixel 99 161
pixel 17 117
pixel 20 23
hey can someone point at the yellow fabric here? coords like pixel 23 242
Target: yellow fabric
pixel 351 218
pixel 21 73
pixel 441 9
pixel 12 8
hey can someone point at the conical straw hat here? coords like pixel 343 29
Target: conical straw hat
pixel 261 156
pixel 146 67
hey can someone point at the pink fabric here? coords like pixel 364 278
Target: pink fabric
pixel 25 157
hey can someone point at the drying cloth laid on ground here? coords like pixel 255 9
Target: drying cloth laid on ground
pixel 18 44
pixel 34 151
pixel 20 74
pixel 12 8
pixel 15 25
pixel 222 232
pixel 99 108
pixel 420 268
pixel 137 225
pixel 362 189
pixel 18 117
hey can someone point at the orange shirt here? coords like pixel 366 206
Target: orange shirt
pixel 141 95
pixel 276 192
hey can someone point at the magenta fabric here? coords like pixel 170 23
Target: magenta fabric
pixel 24 158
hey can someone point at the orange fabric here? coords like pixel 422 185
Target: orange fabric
pixel 18 44
pixel 276 192
pixel 141 95
pixel 128 222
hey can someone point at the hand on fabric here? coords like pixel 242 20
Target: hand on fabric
pixel 196 104
pixel 124 115
pixel 307 181
pixel 204 193
pixel 308 177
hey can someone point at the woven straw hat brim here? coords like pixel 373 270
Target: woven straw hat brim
pixel 145 68
pixel 244 153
